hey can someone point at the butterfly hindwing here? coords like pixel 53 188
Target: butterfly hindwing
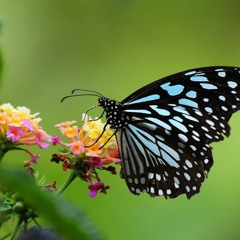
pixel 162 158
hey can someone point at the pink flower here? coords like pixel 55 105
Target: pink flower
pixel 55 140
pixel 34 157
pixel 77 148
pixel 96 162
pixel 94 188
pixel 14 133
pixel 27 124
pixel 40 138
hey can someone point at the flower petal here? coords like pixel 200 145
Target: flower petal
pixel 14 133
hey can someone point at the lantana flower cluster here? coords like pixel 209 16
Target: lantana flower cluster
pixel 88 148
pixel 19 127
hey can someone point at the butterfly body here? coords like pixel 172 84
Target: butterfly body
pixel 164 129
pixel 115 118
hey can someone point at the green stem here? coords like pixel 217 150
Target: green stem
pixel 68 182
pixel 4 148
pixel 2 153
pixel 36 222
pixel 6 236
pixel 19 223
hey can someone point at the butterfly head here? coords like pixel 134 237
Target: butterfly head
pixel 115 118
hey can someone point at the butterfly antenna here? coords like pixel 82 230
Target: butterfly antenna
pixel 89 93
pixel 78 95
pixel 86 90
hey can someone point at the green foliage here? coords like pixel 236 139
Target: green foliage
pixel 69 221
pixel 1 63
pixel 1 59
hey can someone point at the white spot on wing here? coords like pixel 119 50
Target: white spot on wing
pixel 223 98
pixel 208 86
pixel 183 137
pixel 222 74
pixel 160 192
pixel 190 73
pixel 168 191
pixel 158 177
pixel 150 176
pixel 232 84
pixel 187 176
pixel 178 125
pixel 188 163
pixel 142 180
pixel 208 109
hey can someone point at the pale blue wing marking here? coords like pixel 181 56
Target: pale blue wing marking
pixel 172 90
pixel 208 86
pixel 187 102
pixel 191 94
pixel 198 79
pixel 145 99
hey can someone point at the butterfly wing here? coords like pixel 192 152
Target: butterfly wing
pixel 171 122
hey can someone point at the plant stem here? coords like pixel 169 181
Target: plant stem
pixel 19 223
pixel 2 153
pixel 68 182
pixel 6 236
pixel 36 222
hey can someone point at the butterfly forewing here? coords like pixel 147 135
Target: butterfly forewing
pixel 164 129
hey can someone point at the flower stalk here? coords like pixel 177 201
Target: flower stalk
pixel 2 153
pixel 67 182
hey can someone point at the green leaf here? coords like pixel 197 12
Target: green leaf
pixel 69 221
pixel 3 205
pixel 1 59
pixel 1 62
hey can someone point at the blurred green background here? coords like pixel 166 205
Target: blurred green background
pixel 116 47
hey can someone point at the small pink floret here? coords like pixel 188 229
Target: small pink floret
pixel 14 133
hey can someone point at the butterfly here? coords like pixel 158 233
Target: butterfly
pixel 164 129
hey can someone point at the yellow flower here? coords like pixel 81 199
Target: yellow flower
pixel 20 126
pixel 70 132
pixel 94 129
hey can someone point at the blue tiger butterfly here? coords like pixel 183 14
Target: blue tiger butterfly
pixel 164 130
